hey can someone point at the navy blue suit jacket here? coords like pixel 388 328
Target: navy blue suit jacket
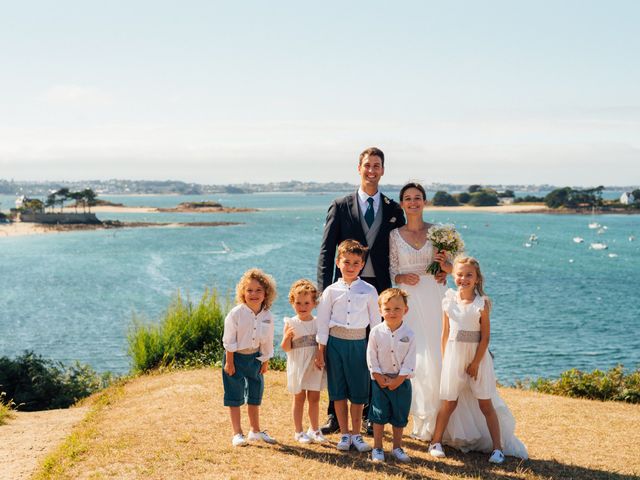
pixel 343 222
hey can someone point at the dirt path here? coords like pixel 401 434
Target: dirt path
pixel 27 438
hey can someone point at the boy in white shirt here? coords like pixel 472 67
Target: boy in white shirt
pixel 391 357
pixel 346 309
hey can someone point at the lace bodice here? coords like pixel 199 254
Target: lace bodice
pixel 403 258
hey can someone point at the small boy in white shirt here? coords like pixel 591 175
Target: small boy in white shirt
pixel 391 357
pixel 346 309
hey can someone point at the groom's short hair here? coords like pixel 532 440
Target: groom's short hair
pixel 371 152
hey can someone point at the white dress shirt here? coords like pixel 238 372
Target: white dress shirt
pixel 244 329
pixel 391 352
pixel 362 200
pixel 350 306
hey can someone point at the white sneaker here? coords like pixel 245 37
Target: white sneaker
pixel 261 436
pixel 358 442
pixel 345 442
pixel 316 437
pixel 377 455
pixel 302 437
pixel 436 450
pixel 238 440
pixel 400 455
pixel 496 457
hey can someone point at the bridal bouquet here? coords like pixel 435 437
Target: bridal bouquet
pixel 444 237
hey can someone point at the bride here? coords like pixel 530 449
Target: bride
pixel 410 253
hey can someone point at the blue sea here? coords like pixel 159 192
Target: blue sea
pixel 557 304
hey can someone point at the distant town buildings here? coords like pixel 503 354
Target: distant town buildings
pixel 627 198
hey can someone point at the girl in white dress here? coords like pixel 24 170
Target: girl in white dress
pixel 467 366
pixel 304 378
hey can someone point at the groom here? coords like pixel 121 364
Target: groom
pixel 366 216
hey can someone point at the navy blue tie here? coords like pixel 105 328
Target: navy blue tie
pixel 369 215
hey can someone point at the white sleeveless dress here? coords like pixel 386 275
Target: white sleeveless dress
pixel 464 336
pixel 467 428
pixel 302 374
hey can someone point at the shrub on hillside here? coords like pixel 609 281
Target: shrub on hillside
pixel 5 407
pixel 613 384
pixel 34 383
pixel 185 333
pixel 186 336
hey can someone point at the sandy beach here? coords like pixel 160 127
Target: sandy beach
pixel 496 209
pixel 22 229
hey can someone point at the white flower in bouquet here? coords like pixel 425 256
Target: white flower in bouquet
pixel 444 238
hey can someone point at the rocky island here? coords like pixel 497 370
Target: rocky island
pixel 205 207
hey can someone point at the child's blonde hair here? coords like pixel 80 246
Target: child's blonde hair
pixel 352 246
pixel 390 293
pixel 264 279
pixel 466 260
pixel 303 286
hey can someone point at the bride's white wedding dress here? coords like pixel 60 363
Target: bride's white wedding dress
pixel 425 319
pixel 467 428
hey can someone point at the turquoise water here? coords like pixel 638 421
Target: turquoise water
pixel 557 304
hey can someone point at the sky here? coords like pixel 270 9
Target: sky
pixel 512 92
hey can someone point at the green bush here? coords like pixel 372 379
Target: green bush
pixel 443 199
pixel 187 334
pixel 34 383
pixel 483 198
pixel 463 197
pixel 613 384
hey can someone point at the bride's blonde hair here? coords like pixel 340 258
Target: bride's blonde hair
pixel 466 260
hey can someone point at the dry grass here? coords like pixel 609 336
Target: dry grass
pixel 173 425
pixel 5 413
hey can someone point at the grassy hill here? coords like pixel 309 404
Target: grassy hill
pixel 173 425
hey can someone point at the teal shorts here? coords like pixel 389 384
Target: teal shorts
pixel 247 384
pixel 347 372
pixel 390 406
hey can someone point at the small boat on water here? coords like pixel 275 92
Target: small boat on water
pixel 594 225
pixel 598 246
pixel 601 231
pixel 527 245
pixel 613 255
pixel 578 239
pixel 533 238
